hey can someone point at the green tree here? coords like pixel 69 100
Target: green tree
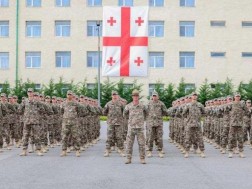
pixel 248 90
pixel 49 89
pixel 82 88
pixel 107 89
pixel 6 88
pixel 159 88
pixel 61 88
pixel 180 92
pixel 204 92
pixel 241 90
pixel 228 88
pixel 216 90
pixel 169 95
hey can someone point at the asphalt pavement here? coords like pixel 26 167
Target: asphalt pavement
pixel 93 171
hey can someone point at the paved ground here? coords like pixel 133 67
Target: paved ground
pixel 93 171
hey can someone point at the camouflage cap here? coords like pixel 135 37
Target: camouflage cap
pixel 30 90
pixel 154 93
pixel 3 95
pixel 114 93
pixel 194 94
pixel 48 97
pixel 36 94
pixel 15 97
pixel 135 92
pixel 237 94
pixel 81 96
pixel 53 97
pixel 248 101
pixel 23 98
pixel 69 92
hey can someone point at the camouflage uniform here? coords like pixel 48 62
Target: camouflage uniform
pixel 155 122
pixel 136 115
pixel 247 125
pixel 195 111
pixel 236 120
pixel 3 112
pixel 70 110
pixel 226 125
pixel 114 111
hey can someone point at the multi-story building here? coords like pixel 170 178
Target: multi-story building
pixel 193 39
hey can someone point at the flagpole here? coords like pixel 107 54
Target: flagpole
pixel 98 23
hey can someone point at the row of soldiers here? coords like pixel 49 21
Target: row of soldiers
pixel 226 124
pixel 46 121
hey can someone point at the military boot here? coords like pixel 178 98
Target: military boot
pixel 82 148
pixel 160 154
pixel 186 154
pixel 162 151
pixel 39 153
pixel 230 155
pixel 149 154
pixel 202 154
pixel 241 155
pixel 106 154
pixel 23 153
pixel 1 150
pixel 63 153
pixel 113 148
pixel 77 153
pixel 43 149
pixel 68 150
pixel 128 161
pixel 32 148
pixel 142 161
pixel 9 147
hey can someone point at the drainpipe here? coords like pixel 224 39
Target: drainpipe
pixel 17 39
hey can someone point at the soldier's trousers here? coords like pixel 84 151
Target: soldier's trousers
pixel 171 129
pixel 36 131
pixel 72 130
pixel 6 132
pixel 57 132
pixel 224 137
pixel 217 132
pixel 194 133
pixel 139 133
pixel 114 132
pixel 51 133
pixel 246 130
pixel 156 133
pixel 1 135
pixel 235 134
pixel 18 132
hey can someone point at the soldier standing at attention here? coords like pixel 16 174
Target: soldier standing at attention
pixel 136 113
pixel 247 122
pixel 156 110
pixel 114 110
pixel 70 109
pixel 3 112
pixel 237 110
pixel 194 110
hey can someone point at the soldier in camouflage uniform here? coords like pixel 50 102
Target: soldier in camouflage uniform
pixel 247 122
pixel 136 113
pixel 31 109
pixel 194 110
pixel 3 113
pixel 156 110
pixel 236 134
pixel 70 109
pixel 114 110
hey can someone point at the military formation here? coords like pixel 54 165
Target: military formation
pixel 42 122
pixel 39 123
pixel 226 124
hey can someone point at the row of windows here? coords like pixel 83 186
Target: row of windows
pixel 63 28
pixel 63 59
pixel 67 3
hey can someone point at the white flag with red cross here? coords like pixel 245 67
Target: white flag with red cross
pixel 125 41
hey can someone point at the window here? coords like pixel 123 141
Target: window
pixel 63 59
pixel 37 87
pixel 152 87
pixel 218 54
pixel 92 28
pixel 93 3
pixel 4 86
pixel 62 28
pixel 186 59
pixel 247 54
pixel 4 28
pixel 4 60
pixel 189 87
pixel 156 3
pixel 125 2
pixel 63 3
pixel 92 59
pixel 156 29
pixel 218 23
pixel 247 24
pixel 33 3
pixel 4 3
pixel 187 28
pixel 32 59
pixel 33 28
pixel 187 3
pixel 156 59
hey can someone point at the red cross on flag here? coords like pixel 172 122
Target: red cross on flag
pixel 125 41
